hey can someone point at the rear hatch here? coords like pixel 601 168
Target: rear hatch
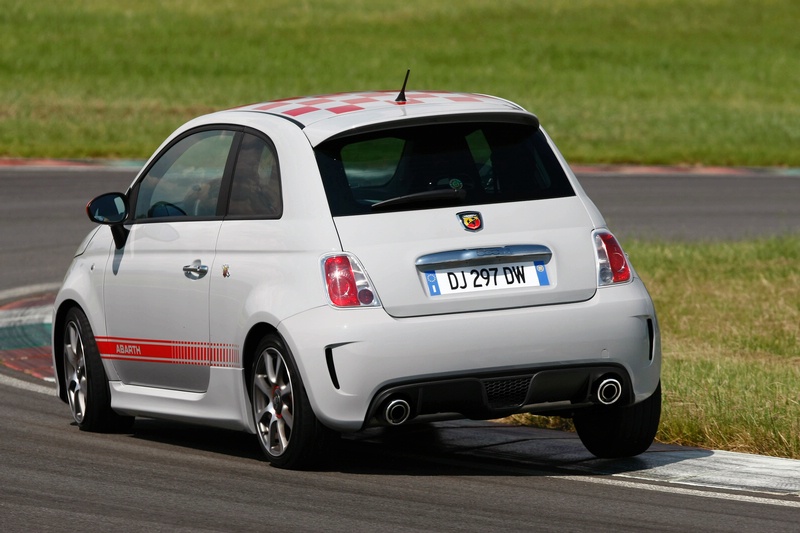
pixel 426 262
pixel 460 216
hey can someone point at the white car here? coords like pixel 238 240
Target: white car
pixel 311 266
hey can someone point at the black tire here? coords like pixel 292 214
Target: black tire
pixel 85 379
pixel 288 431
pixel 620 432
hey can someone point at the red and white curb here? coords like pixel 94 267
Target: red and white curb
pixel 23 307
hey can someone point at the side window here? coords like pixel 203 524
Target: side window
pixel 186 179
pixel 256 187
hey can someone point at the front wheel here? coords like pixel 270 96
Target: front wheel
pixel 620 432
pixel 85 379
pixel 288 432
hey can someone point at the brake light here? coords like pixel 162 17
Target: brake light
pixel 612 264
pixel 346 282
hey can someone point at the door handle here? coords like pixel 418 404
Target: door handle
pixel 195 270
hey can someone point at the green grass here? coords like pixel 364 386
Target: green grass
pixel 616 81
pixel 730 316
pixel 730 326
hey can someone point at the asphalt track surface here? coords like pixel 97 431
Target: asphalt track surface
pixel 464 476
pixel 43 220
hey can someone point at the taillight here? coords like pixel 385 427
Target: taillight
pixel 347 283
pixel 612 264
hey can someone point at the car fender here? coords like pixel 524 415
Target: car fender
pixel 82 287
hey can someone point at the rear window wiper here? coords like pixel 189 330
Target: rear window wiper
pixel 444 196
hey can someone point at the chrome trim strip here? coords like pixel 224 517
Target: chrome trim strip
pixel 484 256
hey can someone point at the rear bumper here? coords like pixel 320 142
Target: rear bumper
pixel 541 390
pixel 352 359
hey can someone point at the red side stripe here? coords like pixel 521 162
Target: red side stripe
pixel 171 352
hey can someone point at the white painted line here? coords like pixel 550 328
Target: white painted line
pixel 24 316
pixel 722 470
pixel 26 385
pixel 21 292
pixel 683 491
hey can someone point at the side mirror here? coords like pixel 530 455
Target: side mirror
pixel 111 209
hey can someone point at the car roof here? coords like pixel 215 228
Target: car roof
pixel 325 116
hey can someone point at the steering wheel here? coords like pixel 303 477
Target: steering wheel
pixel 168 209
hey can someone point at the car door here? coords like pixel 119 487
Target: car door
pixel 254 244
pixel 156 286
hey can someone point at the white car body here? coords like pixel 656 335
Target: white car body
pixel 177 341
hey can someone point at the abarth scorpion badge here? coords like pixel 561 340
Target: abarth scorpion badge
pixel 471 220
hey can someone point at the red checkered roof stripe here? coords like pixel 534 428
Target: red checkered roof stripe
pixel 337 104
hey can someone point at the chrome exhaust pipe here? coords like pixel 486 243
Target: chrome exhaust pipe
pixel 396 412
pixel 609 390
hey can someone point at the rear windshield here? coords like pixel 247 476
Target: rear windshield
pixel 430 166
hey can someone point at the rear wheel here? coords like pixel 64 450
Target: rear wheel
pixel 622 431
pixel 288 432
pixel 85 379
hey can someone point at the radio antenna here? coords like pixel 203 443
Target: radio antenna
pixel 401 98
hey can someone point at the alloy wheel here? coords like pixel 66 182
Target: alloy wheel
pixel 273 401
pixel 75 371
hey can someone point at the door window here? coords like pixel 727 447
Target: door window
pixel 186 179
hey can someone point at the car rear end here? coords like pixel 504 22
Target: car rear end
pixel 475 280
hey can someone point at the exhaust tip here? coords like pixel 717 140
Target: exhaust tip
pixel 396 412
pixel 609 390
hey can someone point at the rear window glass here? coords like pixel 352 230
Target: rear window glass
pixel 431 166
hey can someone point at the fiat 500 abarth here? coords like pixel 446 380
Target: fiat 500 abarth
pixel 312 266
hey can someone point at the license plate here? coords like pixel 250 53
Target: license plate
pixel 486 278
